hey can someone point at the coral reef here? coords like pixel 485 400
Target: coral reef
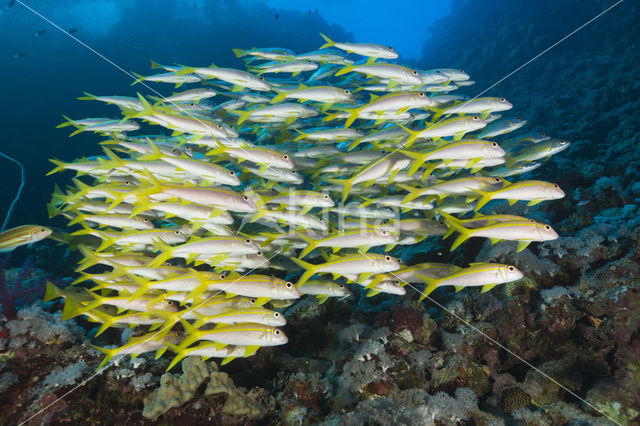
pixel 394 360
pixel 175 390
pixel 19 287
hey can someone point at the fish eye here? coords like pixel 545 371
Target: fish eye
pixel 276 314
pixel 384 232
pixel 399 260
pixel 244 197
pixel 442 222
pixel 288 284
pixel 340 286
pixel 555 185
pixel 294 172
pixel 461 70
pixel 259 253
pixel 145 220
pixel 502 99
pixel 261 78
pixel 252 300
pixel 177 232
pixel 218 126
pixel 325 196
pixel 547 227
pixel 511 268
pixel 276 332
pixel 494 144
pixel 532 221
pixel 174 150
pixel 561 141
pixel 222 276
pixel 389 47
pixel 475 117
pixel 42 229
pixel 543 134
pixel 421 94
pixel 497 180
pixel 248 241
pixel 414 72
pixel 347 91
pixel 518 118
pixel 231 172
pixel 387 258
pixel 286 157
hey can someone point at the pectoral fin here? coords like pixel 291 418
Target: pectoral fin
pixel 487 287
pixel 522 245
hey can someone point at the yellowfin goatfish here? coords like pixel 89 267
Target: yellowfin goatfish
pixel 366 264
pixel 365 49
pixel 522 231
pixel 261 170
pixel 486 275
pixel 323 290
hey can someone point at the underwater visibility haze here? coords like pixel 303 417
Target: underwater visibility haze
pixel 337 212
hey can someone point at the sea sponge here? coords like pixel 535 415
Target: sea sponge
pixel 175 390
pixel 238 403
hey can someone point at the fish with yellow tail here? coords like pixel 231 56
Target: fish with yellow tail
pixel 485 275
pixel 140 345
pixel 242 334
pixel 534 191
pixel 363 264
pixel 371 50
pixel 362 239
pixel 210 350
pixel 523 231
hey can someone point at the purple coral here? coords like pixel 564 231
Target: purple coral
pixel 19 286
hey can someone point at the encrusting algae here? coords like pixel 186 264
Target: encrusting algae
pixel 309 173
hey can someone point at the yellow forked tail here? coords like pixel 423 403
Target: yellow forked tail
pixel 456 225
pixel 310 269
pixel 328 42
pixel 109 354
pixel 347 183
pixel 311 244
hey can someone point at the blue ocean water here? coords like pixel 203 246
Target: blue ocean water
pixel 570 72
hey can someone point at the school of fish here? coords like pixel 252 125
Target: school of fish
pixel 213 208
